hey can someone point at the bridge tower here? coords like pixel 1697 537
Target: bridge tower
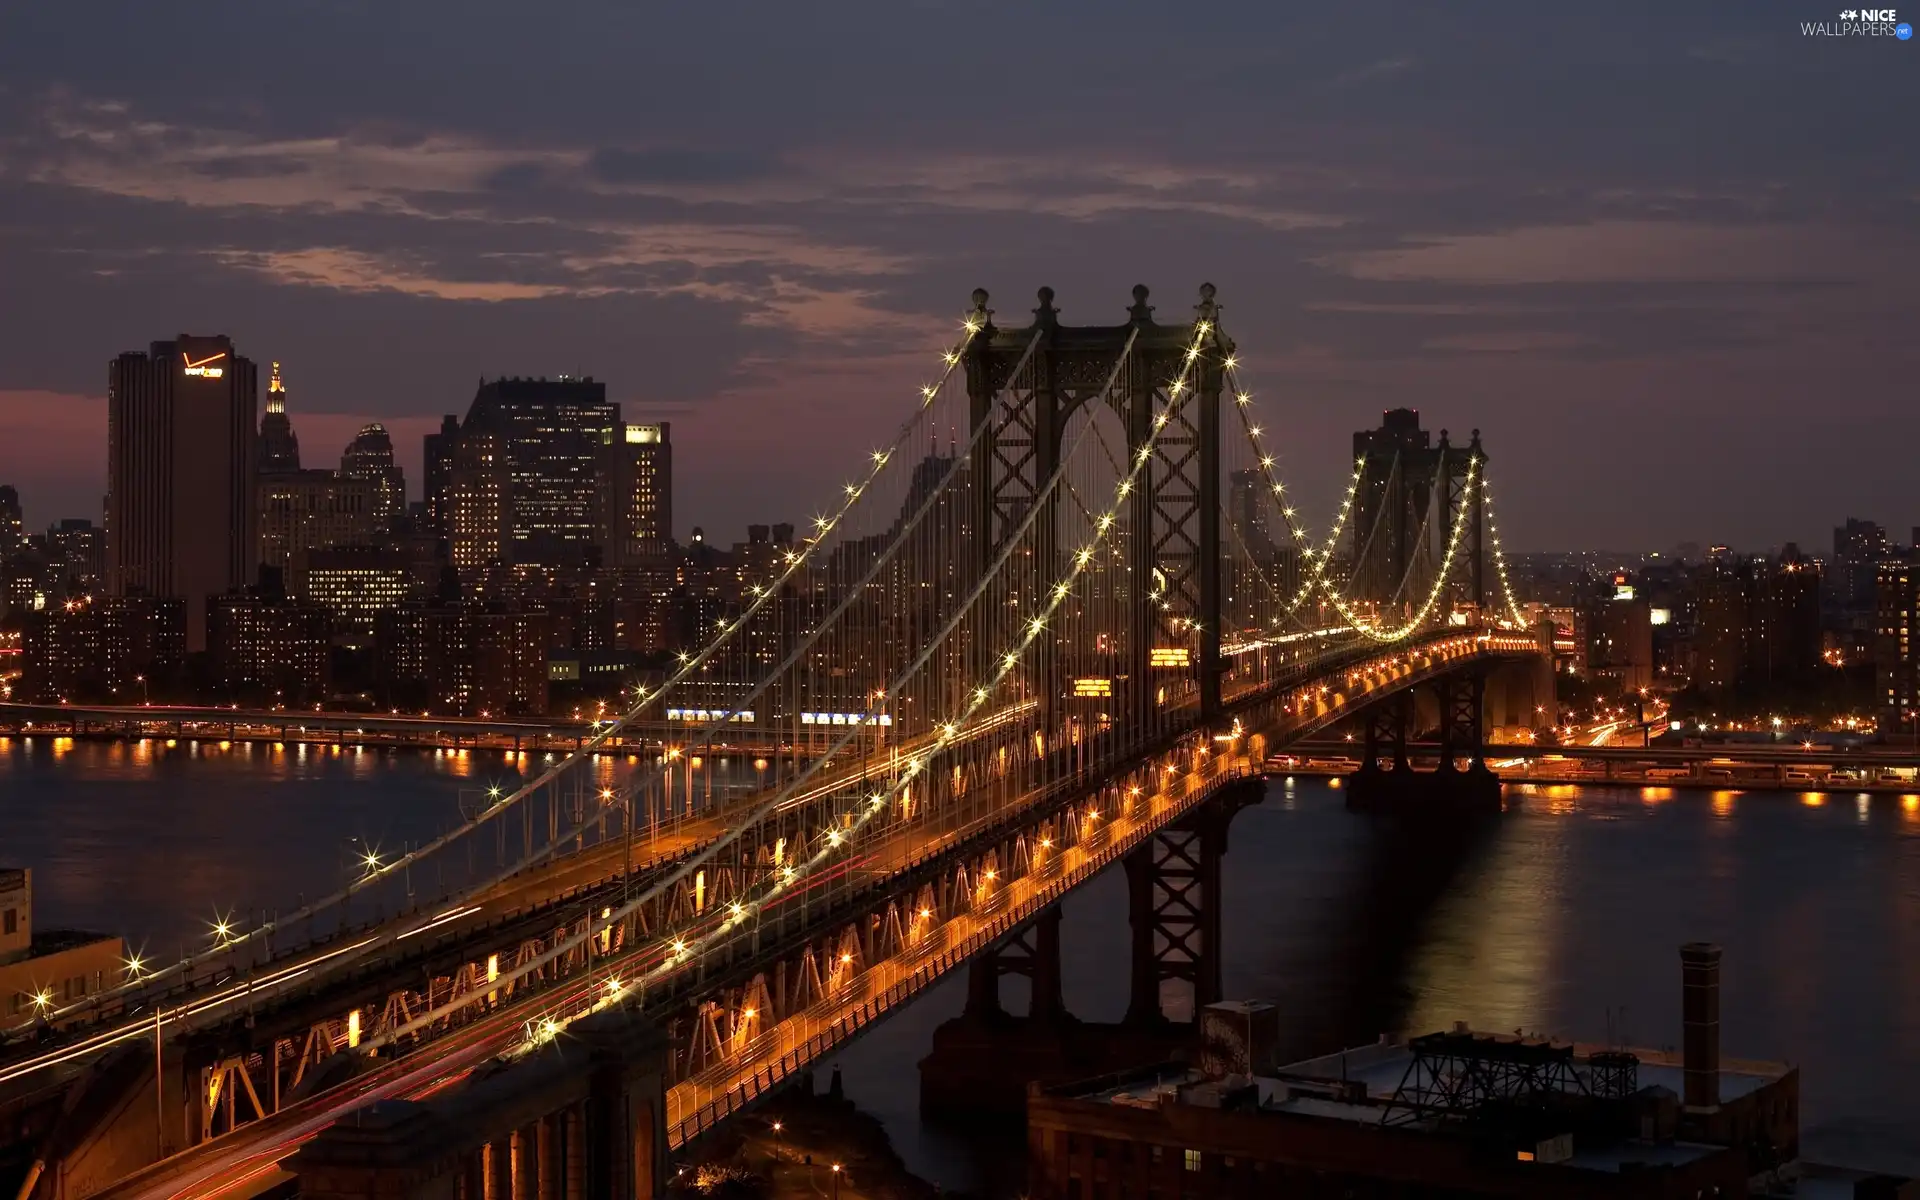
pixel 1173 572
pixel 1392 538
pixel 1410 489
pixel 1458 468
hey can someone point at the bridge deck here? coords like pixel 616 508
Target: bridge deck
pixel 237 1163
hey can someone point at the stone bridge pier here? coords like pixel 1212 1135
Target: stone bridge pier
pixel 983 1060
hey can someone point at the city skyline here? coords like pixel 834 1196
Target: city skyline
pixel 1323 541
pixel 1688 259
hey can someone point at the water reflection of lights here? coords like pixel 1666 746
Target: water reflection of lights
pixel 1489 956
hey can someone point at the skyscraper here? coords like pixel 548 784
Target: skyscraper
pixel 436 460
pixel 180 470
pixel 1859 547
pixel 13 525
pixel 1720 624
pixel 369 457
pixel 636 503
pixel 556 432
pixel 1247 507
pixel 1757 622
pixel 77 552
pixel 279 448
pixel 1895 663
pixel 1621 647
pixel 477 498
pixel 303 511
pixel 1784 623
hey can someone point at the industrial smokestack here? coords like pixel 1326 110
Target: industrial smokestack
pixel 1700 1023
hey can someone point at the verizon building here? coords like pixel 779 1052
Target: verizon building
pixel 180 471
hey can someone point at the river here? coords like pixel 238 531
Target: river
pixel 1564 917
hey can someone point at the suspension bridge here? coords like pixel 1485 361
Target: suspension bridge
pixel 1064 612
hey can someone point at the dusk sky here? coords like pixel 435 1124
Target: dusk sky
pixel 1666 256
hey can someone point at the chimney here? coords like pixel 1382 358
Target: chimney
pixel 1700 1023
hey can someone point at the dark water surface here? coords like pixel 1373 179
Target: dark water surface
pixel 1562 918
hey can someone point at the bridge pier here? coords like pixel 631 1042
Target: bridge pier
pixel 1372 787
pixel 982 1061
pixel 1173 888
pixel 1447 790
pixel 1035 953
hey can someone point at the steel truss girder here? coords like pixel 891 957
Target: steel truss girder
pixel 913 920
pixel 1463 1075
pixel 801 969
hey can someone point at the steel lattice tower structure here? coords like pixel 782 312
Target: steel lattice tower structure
pixel 1174 553
pixel 1396 525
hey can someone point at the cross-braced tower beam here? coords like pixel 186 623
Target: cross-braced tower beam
pixel 1172 577
pixel 1174 907
pixel 1463 702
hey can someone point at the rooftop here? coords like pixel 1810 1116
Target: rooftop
pixel 1381 1067
pixel 53 941
pixel 1357 1085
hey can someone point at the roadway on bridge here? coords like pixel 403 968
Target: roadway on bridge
pixel 595 870
pixel 762 1062
pixel 246 1161
pixel 886 984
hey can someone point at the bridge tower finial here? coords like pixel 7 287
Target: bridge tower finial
pixel 1046 314
pixel 1475 445
pixel 1208 310
pixel 1141 312
pixel 980 310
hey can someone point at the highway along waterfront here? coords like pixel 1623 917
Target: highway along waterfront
pixel 1559 917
